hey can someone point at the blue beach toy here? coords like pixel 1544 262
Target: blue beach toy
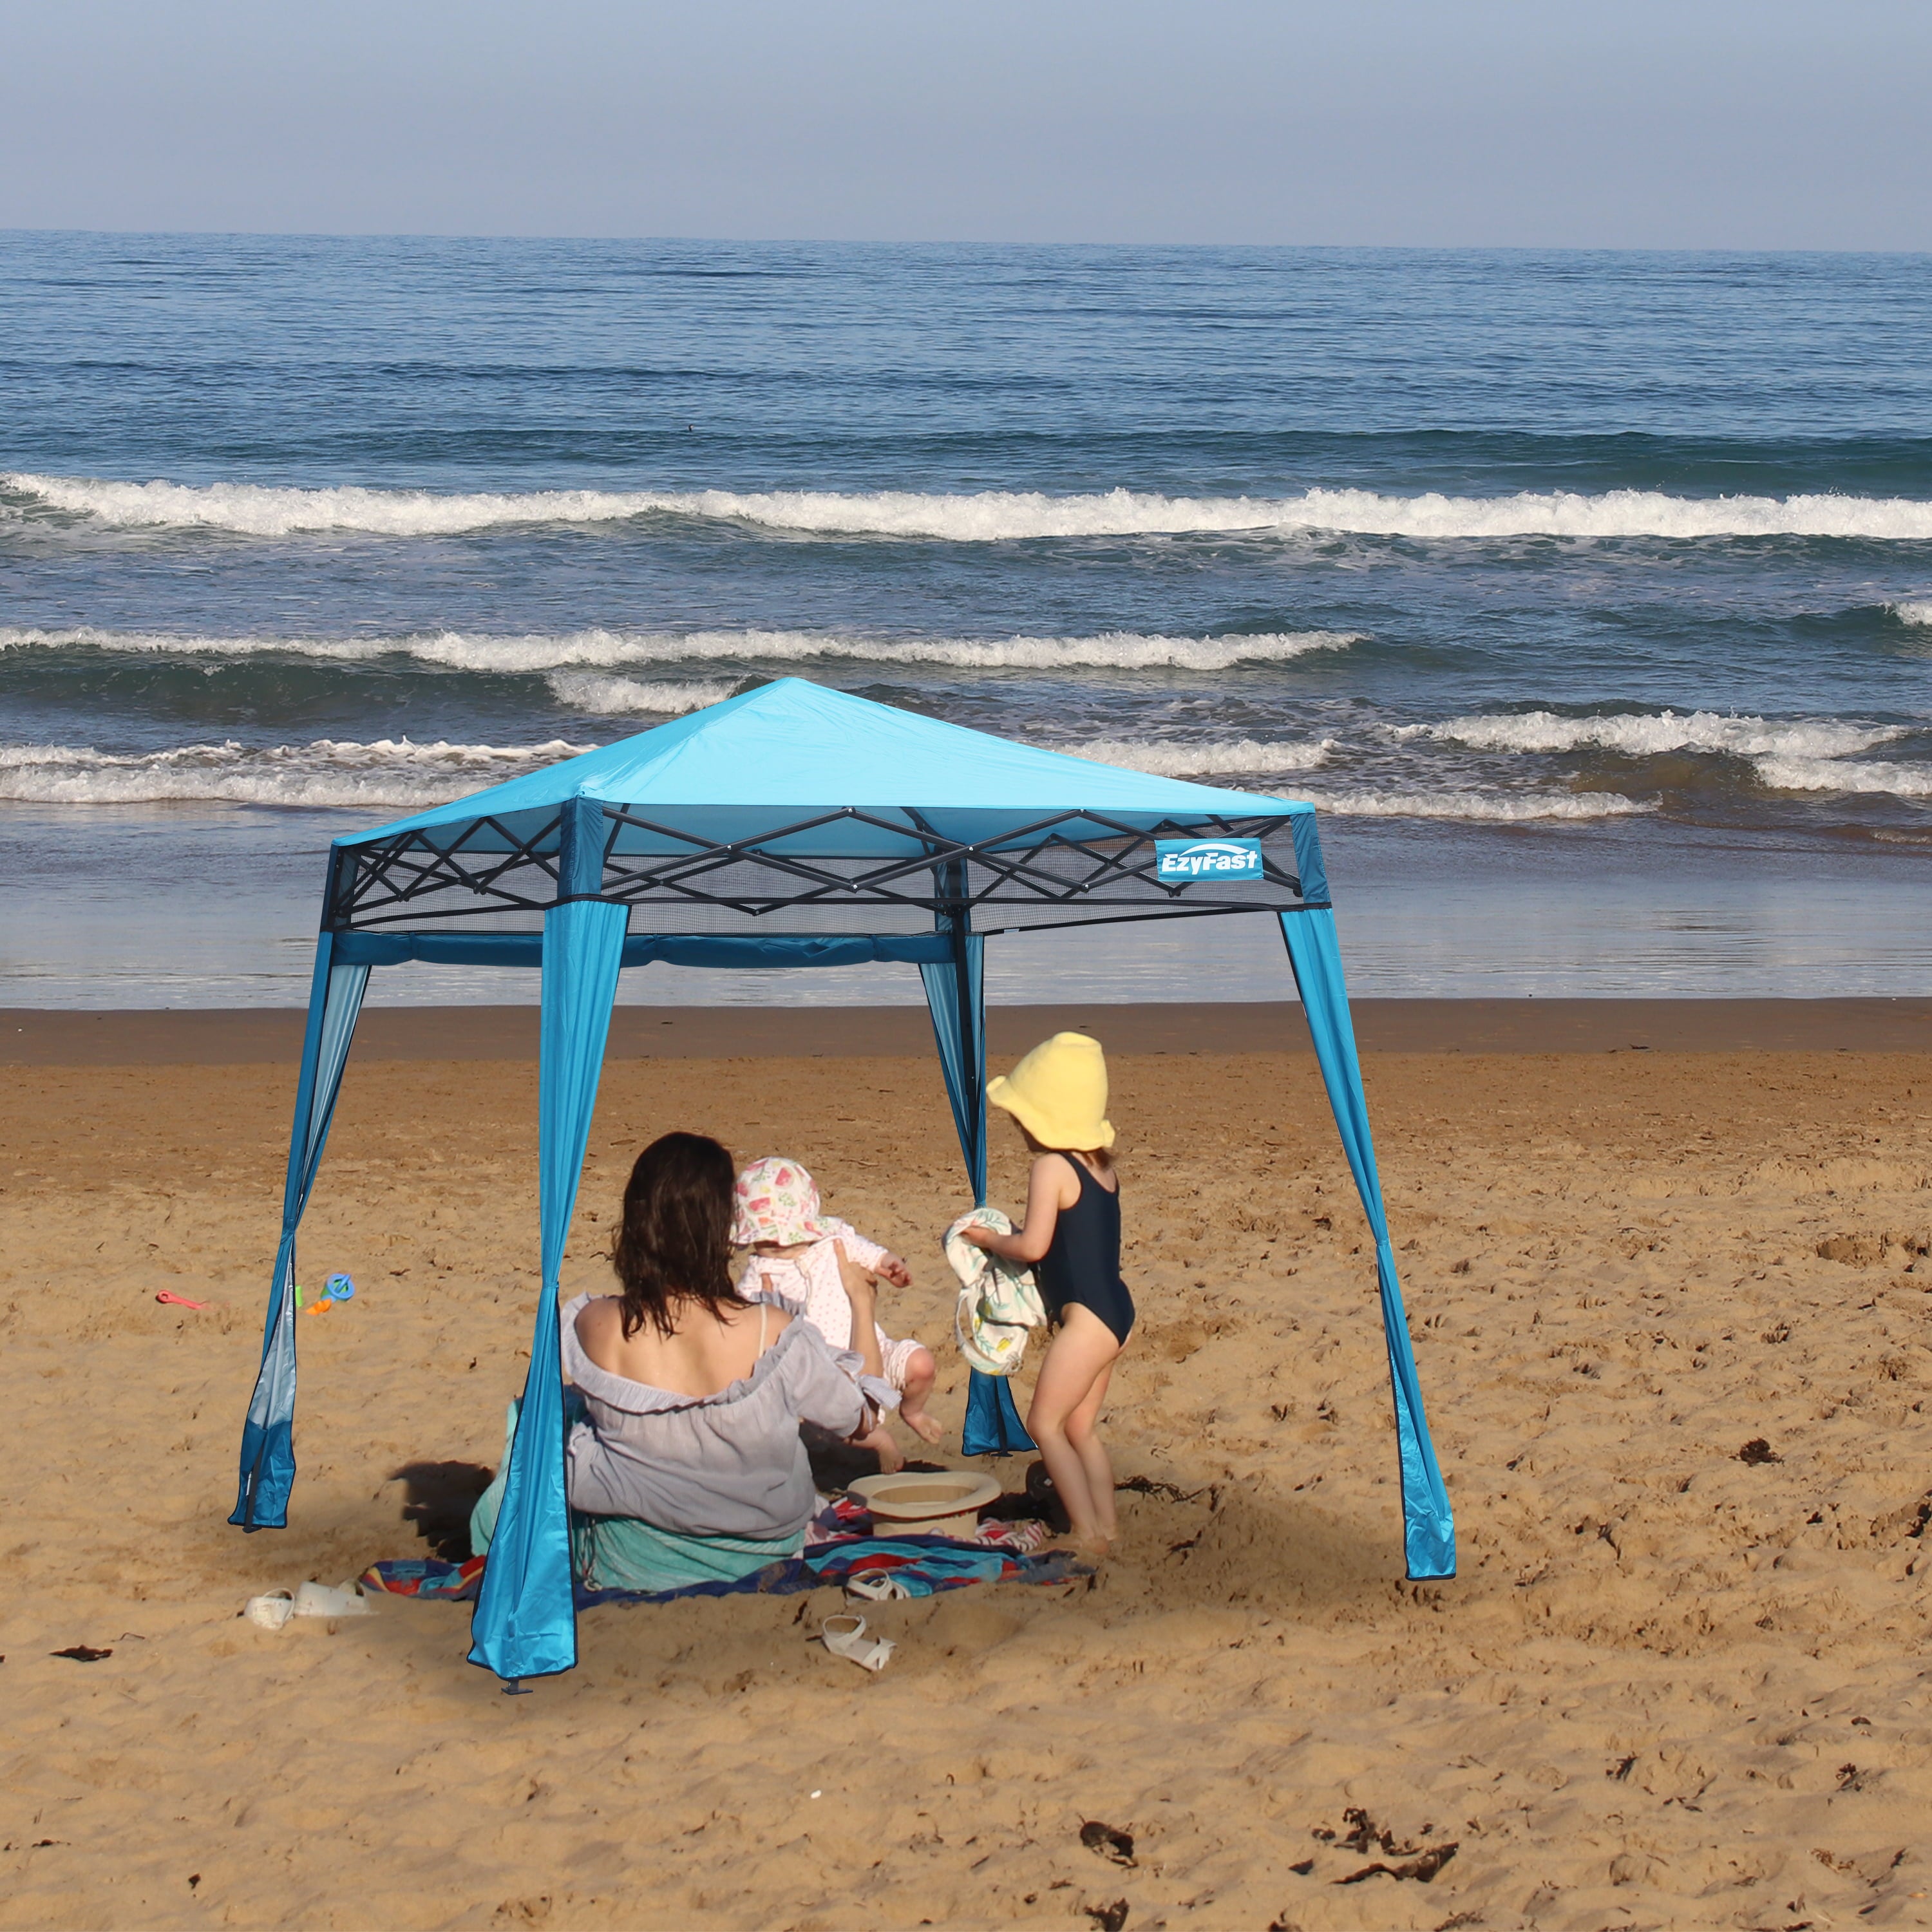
pixel 337 1287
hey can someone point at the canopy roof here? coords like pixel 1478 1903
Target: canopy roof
pixel 762 761
pixel 794 794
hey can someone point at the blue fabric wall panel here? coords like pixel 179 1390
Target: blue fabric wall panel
pixel 1313 950
pixel 762 949
pixel 956 997
pixel 778 949
pixel 992 1425
pixel 442 948
pixel 267 1463
pixel 1309 867
pixel 525 1624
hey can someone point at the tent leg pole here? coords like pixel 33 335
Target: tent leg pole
pixel 956 997
pixel 1429 1523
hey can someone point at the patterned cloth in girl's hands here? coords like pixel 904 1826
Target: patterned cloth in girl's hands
pixel 1000 1303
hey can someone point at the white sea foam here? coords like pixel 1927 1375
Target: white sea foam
pixel 983 516
pixel 1486 807
pixel 1919 612
pixel 610 650
pixel 1225 758
pixel 604 696
pixel 385 773
pixel 1800 774
pixel 1645 734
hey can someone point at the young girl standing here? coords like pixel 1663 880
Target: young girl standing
pixel 1058 1095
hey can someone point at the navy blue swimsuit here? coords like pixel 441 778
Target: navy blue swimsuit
pixel 1083 1264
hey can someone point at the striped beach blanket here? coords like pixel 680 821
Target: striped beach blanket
pixel 921 1566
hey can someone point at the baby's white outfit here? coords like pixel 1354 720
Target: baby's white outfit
pixel 812 1278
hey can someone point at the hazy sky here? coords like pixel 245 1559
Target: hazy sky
pixel 1622 123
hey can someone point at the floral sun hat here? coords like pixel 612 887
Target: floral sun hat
pixel 777 1200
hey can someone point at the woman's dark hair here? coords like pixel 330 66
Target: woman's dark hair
pixel 674 1242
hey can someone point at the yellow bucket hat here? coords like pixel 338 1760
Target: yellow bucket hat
pixel 1058 1092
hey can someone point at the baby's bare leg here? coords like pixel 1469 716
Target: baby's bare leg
pixel 882 1445
pixel 921 1372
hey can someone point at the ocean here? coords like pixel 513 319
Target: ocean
pixel 1589 596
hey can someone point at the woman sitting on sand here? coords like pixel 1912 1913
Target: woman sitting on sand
pixel 686 1465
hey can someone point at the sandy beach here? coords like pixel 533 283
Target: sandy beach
pixel 1672 1686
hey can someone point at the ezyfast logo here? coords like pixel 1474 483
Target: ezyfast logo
pixel 1225 861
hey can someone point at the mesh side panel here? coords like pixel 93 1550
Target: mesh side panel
pixel 1053 881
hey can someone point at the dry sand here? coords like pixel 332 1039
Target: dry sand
pixel 1669 1687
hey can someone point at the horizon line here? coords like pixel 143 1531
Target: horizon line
pixel 454 234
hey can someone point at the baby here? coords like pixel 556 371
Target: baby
pixel 795 1252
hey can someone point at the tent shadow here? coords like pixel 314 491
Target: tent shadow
pixel 1239 1547
pixel 437 1498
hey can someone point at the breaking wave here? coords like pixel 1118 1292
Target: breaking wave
pixel 1800 774
pixel 607 650
pixel 1645 734
pixel 1488 807
pixel 602 696
pixel 1800 754
pixel 1226 758
pixel 1913 612
pixel 386 773
pixel 991 516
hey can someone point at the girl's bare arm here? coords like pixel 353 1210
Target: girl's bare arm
pixel 1046 1195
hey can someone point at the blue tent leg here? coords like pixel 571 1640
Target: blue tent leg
pixel 525 1624
pixel 268 1463
pixel 993 1426
pixel 1429 1526
pixel 955 994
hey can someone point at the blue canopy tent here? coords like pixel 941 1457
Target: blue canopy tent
pixel 862 833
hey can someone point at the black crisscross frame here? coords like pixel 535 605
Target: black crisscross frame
pixel 1067 868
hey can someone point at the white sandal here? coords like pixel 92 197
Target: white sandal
pixel 318 1599
pixel 880 1587
pixel 271 1611
pixel 868 1653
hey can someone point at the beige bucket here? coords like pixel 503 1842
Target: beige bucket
pixel 941 1502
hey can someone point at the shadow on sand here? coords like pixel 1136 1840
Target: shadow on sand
pixel 437 1498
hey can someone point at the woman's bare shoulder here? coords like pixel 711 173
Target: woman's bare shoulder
pixel 600 1327
pixel 601 1311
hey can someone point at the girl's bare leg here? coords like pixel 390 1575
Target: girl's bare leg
pixel 921 1373
pixel 1083 1432
pixel 1082 1355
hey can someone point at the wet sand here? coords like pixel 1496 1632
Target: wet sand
pixel 30 1036
pixel 1670 1687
